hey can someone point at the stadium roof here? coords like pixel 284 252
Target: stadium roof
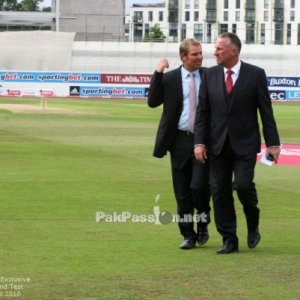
pixel 26 18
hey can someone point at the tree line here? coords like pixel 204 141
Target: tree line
pixel 23 5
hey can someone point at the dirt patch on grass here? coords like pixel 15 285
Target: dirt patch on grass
pixel 26 108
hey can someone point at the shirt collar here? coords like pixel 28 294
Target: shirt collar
pixel 235 69
pixel 185 73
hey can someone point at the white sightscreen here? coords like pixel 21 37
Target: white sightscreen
pixel 36 50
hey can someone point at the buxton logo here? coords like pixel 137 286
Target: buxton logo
pixel 284 81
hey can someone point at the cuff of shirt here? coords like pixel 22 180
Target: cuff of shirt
pixel 202 145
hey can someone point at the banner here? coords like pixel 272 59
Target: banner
pixel 283 81
pixel 284 88
pixel 110 85
pixel 277 95
pixel 108 91
pixel 292 95
pixel 126 78
pixel 50 77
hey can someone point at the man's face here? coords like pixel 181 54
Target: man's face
pixel 225 53
pixel 193 60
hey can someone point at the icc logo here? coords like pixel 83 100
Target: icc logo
pixel 277 95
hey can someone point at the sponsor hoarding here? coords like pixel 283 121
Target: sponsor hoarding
pixel 50 77
pixel 126 78
pixel 13 92
pixel 111 91
pixel 277 95
pixel 292 95
pixel 81 84
pixel 283 81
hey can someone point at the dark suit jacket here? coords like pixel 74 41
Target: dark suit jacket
pixel 166 88
pixel 219 115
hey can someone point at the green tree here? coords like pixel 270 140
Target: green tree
pixel 30 5
pixel 154 35
pixel 9 5
pixel 24 5
pixel 46 9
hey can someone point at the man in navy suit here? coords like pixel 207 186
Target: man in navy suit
pixel 176 90
pixel 227 129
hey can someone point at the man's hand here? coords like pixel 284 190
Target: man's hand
pixel 200 153
pixel 274 152
pixel 162 64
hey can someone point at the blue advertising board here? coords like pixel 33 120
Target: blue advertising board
pixel 292 95
pixel 110 91
pixel 287 88
pixel 283 81
pixel 50 77
pixel 84 84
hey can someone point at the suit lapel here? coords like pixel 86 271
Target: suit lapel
pixel 178 90
pixel 220 81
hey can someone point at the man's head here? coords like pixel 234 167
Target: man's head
pixel 190 51
pixel 227 49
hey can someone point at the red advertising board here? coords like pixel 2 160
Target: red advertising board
pixel 47 93
pixel 289 155
pixel 13 92
pixel 126 78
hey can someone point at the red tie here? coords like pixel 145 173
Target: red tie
pixel 228 81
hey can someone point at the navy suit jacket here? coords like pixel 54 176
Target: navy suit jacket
pixel 235 116
pixel 166 88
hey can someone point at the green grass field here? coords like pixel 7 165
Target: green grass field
pixel 58 170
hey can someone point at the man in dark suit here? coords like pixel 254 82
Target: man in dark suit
pixel 227 129
pixel 177 91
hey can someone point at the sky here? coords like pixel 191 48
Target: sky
pixel 128 3
pixel 46 3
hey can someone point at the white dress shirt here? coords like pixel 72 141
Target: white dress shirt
pixel 236 71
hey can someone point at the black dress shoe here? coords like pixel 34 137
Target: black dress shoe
pixel 203 236
pixel 253 238
pixel 188 244
pixel 228 248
